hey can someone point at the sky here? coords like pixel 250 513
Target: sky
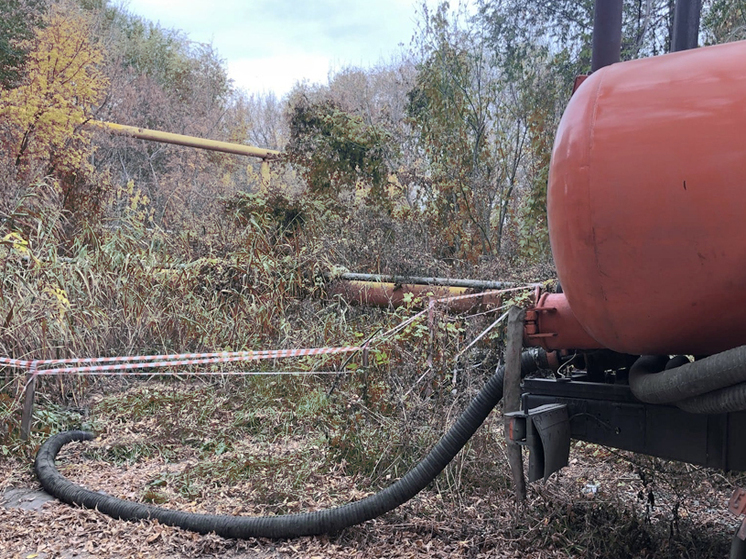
pixel 270 45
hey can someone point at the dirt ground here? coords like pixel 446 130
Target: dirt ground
pixel 605 504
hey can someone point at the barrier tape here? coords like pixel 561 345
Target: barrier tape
pixel 218 373
pixel 131 364
pixel 436 300
pixel 483 293
pixel 249 355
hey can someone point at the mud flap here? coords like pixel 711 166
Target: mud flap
pixel 545 430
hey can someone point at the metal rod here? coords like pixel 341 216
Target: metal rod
pixel 446 282
pixel 686 25
pixel 607 33
pixel 188 141
pixel 512 395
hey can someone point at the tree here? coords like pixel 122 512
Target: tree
pixel 18 19
pixel 160 79
pixel 723 21
pixel 377 97
pixel 469 108
pixel 486 101
pixel 339 153
pixel 566 28
pixel 449 107
pixel 41 120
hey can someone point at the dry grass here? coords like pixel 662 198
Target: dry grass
pixel 265 445
pixel 194 446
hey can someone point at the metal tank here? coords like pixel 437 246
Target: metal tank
pixel 647 203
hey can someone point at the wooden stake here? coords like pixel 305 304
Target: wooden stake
pixel 28 403
pixel 512 394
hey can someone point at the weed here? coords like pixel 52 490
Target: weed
pixel 131 452
pixel 127 287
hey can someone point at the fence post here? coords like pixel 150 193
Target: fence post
pixel 28 402
pixel 512 394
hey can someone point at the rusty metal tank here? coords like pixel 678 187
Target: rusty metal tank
pixel 647 203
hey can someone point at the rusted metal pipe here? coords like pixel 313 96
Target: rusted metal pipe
pixel 552 325
pixel 182 140
pixel 387 294
pixel 446 282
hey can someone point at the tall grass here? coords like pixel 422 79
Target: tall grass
pixel 124 286
pixel 250 278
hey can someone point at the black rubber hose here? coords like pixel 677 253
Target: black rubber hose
pixel 714 384
pixel 285 526
pixel 725 400
pixel 676 361
pixel 718 371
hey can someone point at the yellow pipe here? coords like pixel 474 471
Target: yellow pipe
pixel 182 140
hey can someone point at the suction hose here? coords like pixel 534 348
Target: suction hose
pixel 714 384
pixel 285 526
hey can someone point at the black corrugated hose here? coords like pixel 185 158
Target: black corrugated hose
pixel 285 526
pixel 714 384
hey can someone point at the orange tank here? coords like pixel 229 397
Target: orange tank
pixel 647 203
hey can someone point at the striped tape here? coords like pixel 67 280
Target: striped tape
pixel 221 373
pixel 234 355
pixel 133 364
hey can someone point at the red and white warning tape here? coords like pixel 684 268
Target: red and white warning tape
pixel 234 355
pixel 135 364
pixel 131 363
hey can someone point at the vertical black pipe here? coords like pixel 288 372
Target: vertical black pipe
pixel 686 25
pixel 607 33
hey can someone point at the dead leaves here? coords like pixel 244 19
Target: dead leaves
pixel 478 523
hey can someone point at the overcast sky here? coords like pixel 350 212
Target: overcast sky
pixel 269 45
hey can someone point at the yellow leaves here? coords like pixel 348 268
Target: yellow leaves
pixel 62 85
pixel 60 299
pixel 138 200
pixel 134 203
pixel 16 243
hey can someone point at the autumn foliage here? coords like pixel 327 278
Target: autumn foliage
pixel 433 164
pixel 42 119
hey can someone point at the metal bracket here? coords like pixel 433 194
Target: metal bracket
pixel 545 430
